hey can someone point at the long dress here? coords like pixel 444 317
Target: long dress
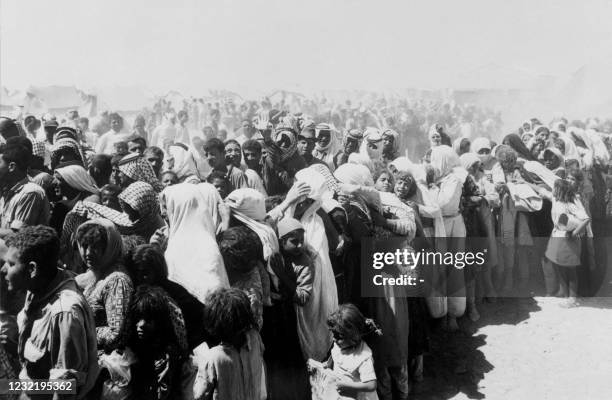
pixel 193 257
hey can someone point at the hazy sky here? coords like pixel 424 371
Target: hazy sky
pixel 195 44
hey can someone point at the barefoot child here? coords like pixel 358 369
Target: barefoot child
pixel 564 247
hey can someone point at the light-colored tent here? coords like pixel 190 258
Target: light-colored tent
pixel 60 99
pixel 20 102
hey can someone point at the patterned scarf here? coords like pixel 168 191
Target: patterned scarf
pixel 139 196
pixel 66 145
pixel 139 169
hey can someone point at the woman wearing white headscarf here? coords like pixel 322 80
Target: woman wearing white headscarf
pixel 482 147
pixel 450 176
pixel 362 159
pixel 248 206
pixel 181 160
pixel 71 184
pixel 193 257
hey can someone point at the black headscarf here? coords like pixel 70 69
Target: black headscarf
pixel 513 140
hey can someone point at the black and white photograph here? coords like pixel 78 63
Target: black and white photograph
pixel 305 200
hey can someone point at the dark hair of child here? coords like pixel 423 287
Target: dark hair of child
pixel 350 323
pixel 149 255
pixel 563 191
pixel 228 317
pixel 151 304
pixel 91 234
pixel 408 178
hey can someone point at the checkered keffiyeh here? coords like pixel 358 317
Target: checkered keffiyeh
pixel 63 145
pixel 38 148
pixel 139 169
pixel 140 196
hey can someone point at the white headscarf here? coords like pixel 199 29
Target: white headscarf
pixel 479 144
pixel 182 162
pixel 354 175
pixel 372 135
pixel 445 160
pixel 77 178
pixel 249 207
pixel 361 159
pixel 193 257
pixel 468 160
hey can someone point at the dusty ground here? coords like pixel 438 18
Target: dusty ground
pixel 527 348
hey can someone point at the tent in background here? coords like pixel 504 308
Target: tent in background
pixel 20 102
pixel 60 99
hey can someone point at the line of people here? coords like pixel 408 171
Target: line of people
pixel 217 269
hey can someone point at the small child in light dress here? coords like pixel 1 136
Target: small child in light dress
pixel 351 357
pixel 565 244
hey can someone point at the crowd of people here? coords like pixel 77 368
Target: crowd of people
pixel 196 258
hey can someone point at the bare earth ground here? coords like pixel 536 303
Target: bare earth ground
pixel 524 348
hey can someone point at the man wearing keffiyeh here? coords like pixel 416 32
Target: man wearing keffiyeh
pixel 351 142
pixel 134 168
pixel 66 148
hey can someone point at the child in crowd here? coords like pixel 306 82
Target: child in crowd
pixel 297 274
pixel 169 178
pixel 286 369
pixel 233 366
pixel 121 149
pixel 220 182
pixel 109 196
pixel 147 266
pixel 154 342
pixel 564 247
pixel 350 356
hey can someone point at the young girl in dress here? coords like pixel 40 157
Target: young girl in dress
pixel 350 356
pixel 232 368
pixel 565 244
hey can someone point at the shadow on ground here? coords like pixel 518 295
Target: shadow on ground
pixel 454 363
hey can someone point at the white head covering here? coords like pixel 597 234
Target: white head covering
pixel 354 174
pixel 361 159
pixel 249 207
pixel 193 257
pixel 403 164
pixel 77 177
pixel 444 160
pixel 287 225
pixel 182 162
pixel 372 135
pixel 468 160
pixel 480 143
